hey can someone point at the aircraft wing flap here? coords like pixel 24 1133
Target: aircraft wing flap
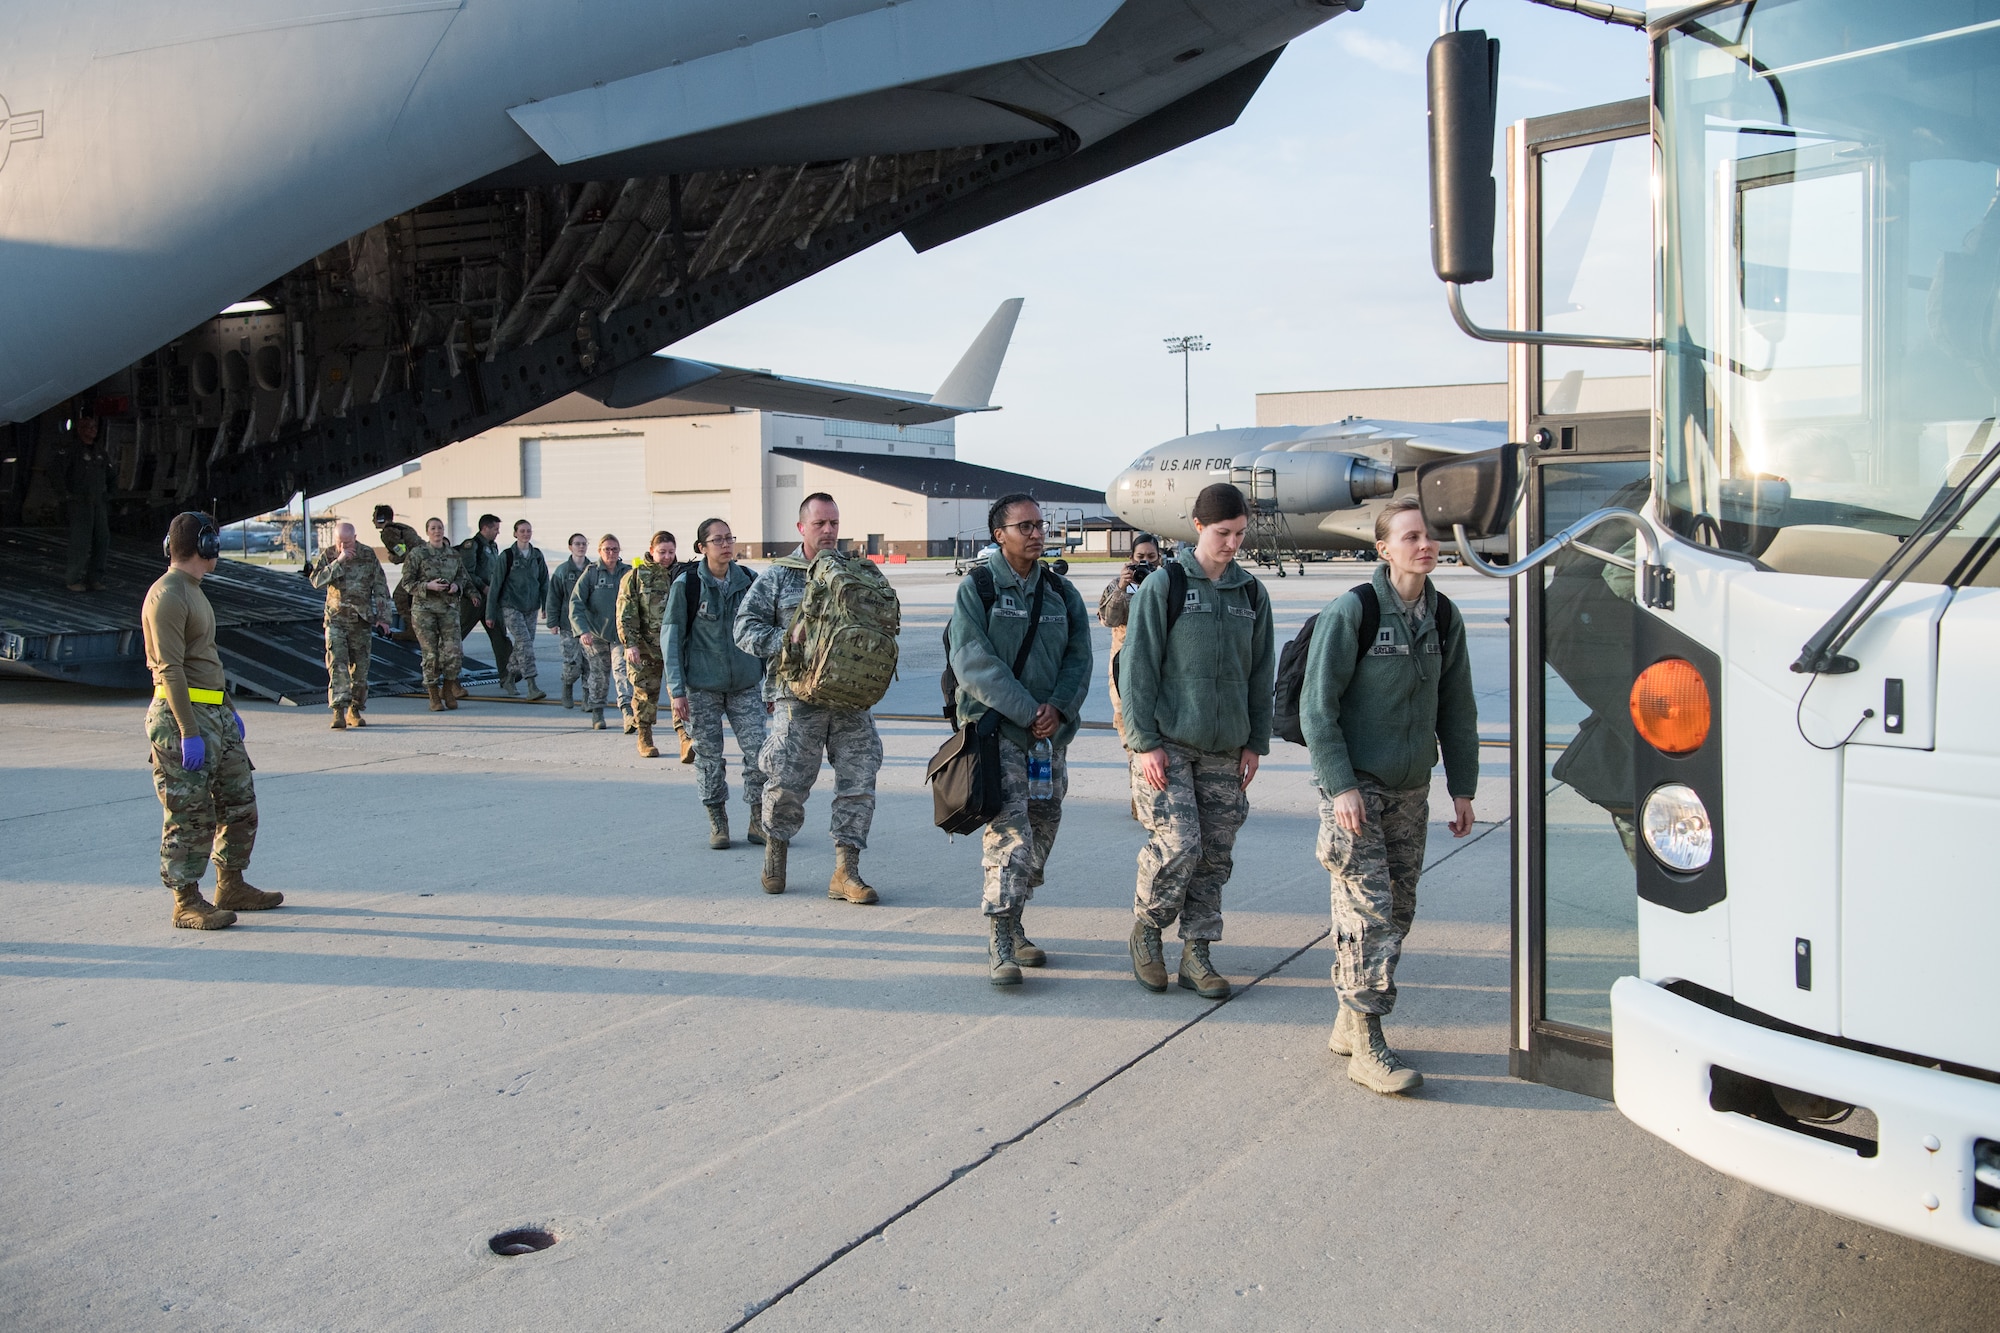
pixel 882 48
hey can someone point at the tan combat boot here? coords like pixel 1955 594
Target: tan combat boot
pixel 647 750
pixel 453 692
pixel 194 912
pixel 847 884
pixel 339 722
pixel 718 827
pixel 1149 963
pixel 437 699
pixel 1373 1065
pixel 1026 953
pixel 1004 969
pixel 354 718
pixel 1347 1032
pixel 774 865
pixel 755 833
pixel 236 896
pixel 1198 974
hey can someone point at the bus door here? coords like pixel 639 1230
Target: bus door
pixel 1580 260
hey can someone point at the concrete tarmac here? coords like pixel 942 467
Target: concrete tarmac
pixel 512 987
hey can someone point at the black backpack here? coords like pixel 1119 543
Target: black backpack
pixel 1291 681
pixel 965 772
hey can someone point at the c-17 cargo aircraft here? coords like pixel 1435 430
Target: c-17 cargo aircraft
pixel 425 218
pixel 1311 488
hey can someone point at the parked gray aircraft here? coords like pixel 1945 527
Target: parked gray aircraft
pixel 1311 488
pixel 425 219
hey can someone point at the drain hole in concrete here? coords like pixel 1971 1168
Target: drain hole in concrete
pixel 524 1241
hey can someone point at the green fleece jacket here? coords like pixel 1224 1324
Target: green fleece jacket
pixel 1386 717
pixel 983 647
pixel 1209 687
pixel 707 659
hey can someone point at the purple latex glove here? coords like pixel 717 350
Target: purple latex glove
pixel 239 723
pixel 194 753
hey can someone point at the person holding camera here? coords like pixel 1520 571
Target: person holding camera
pixel 1373 714
pixel 1196 675
pixel 1012 599
pixel 201 772
pixel 1114 605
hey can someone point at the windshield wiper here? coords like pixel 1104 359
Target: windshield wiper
pixel 1821 655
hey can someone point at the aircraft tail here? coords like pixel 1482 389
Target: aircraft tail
pixel 970 384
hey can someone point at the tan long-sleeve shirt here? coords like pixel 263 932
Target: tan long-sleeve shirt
pixel 180 643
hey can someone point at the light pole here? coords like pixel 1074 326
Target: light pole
pixel 1184 347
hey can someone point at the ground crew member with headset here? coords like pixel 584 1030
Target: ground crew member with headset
pixel 201 772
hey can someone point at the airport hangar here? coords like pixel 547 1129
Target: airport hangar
pixel 579 466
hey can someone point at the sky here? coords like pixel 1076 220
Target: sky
pixel 1296 242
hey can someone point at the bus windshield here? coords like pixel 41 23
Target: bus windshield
pixel 1830 298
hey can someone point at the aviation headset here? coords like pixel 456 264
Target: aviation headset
pixel 207 542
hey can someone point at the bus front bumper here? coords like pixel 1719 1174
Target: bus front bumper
pixel 1919 1183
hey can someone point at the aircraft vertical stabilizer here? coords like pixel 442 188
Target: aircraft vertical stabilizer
pixel 970 384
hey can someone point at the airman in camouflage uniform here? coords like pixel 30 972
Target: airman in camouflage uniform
pixel 434 612
pixel 357 596
pixel 1375 707
pixel 1196 719
pixel 801 732
pixel 555 611
pixel 201 771
pixel 641 599
pixel 709 677
pixel 1035 623
pixel 593 616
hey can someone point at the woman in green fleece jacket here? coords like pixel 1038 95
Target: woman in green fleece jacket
pixel 1196 715
pixel 1373 716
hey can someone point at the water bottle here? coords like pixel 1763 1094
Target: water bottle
pixel 1042 771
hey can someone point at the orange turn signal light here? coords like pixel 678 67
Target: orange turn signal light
pixel 1670 706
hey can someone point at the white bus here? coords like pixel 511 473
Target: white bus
pixel 1756 618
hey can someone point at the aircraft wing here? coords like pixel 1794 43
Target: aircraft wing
pixel 968 388
pixel 736 386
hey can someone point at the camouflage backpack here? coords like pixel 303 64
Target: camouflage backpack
pixel 847 655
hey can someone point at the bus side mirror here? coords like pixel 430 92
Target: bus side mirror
pixel 1479 491
pixel 1464 71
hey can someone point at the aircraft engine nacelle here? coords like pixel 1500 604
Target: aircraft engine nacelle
pixel 1311 483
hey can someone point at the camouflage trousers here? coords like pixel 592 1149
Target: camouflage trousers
pixel 521 636
pixel 621 677
pixel 1016 844
pixel 436 624
pixel 745 711
pixel 211 812
pixel 645 676
pixel 1191 852
pixel 572 657
pixel 799 734
pixel 347 647
pixel 1375 876
pixel 598 656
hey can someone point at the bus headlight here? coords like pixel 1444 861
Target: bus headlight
pixel 1676 828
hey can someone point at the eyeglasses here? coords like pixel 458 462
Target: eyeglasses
pixel 1029 529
